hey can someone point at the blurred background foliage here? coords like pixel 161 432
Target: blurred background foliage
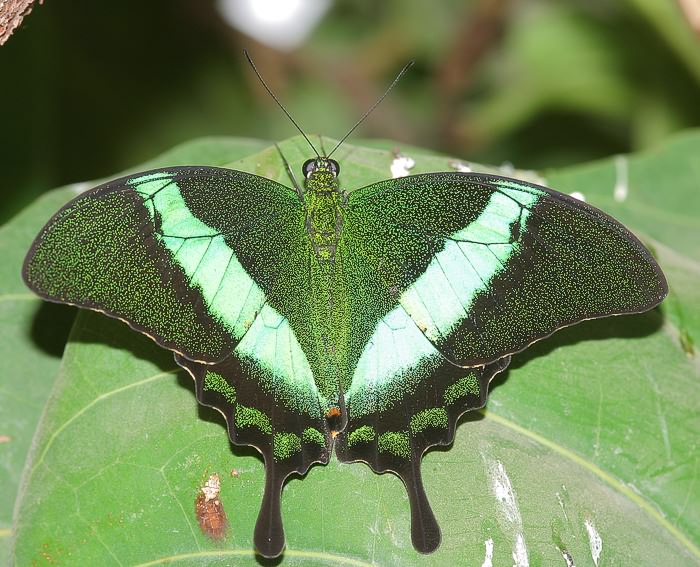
pixel 89 89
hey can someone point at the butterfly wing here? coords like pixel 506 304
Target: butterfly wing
pixel 289 431
pixel 487 265
pixel 468 269
pixel 402 403
pixel 201 260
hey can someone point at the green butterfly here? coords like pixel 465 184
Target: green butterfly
pixel 318 318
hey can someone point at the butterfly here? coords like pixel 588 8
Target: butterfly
pixel 319 318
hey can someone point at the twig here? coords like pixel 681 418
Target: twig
pixel 12 12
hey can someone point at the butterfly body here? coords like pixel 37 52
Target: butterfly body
pixel 324 210
pixel 365 322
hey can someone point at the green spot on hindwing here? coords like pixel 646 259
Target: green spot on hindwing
pixel 217 383
pixel 251 417
pixel 284 445
pixel 396 443
pixel 469 385
pixel 363 434
pixel 431 417
pixel 311 435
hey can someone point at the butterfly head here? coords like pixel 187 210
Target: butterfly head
pixel 321 173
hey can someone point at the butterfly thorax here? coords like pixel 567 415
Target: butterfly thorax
pixel 323 203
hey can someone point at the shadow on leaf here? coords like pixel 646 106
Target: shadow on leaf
pixel 51 326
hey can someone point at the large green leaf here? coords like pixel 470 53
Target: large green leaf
pixel 589 440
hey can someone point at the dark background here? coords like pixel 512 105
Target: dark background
pixel 90 88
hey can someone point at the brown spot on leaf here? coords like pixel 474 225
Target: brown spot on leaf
pixel 209 509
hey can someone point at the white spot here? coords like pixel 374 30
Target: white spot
pixel 488 558
pixel 567 557
pixel 561 505
pixel 211 488
pixel 401 165
pixel 595 541
pixel 663 425
pixel 520 552
pixel 503 490
pixel 505 495
pixel 283 24
pixel 461 167
pixel 78 188
pixel 507 168
pixel 621 179
pixel 578 195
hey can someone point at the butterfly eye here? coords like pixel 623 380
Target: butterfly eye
pixel 308 167
pixel 335 167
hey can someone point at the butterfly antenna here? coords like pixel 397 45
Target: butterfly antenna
pixel 375 105
pixel 269 91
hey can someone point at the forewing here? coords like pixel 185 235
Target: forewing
pixel 486 265
pixel 186 255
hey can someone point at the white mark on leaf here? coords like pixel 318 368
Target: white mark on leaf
pixel 661 416
pixel 81 187
pixel 505 495
pixel 488 558
pixel 401 165
pixel 567 557
pixel 595 541
pixel 691 487
pixel 211 488
pixel 561 504
pixel 621 179
pixel 599 420
pixel 507 168
pixel 462 168
pixel 503 490
pixel 520 552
